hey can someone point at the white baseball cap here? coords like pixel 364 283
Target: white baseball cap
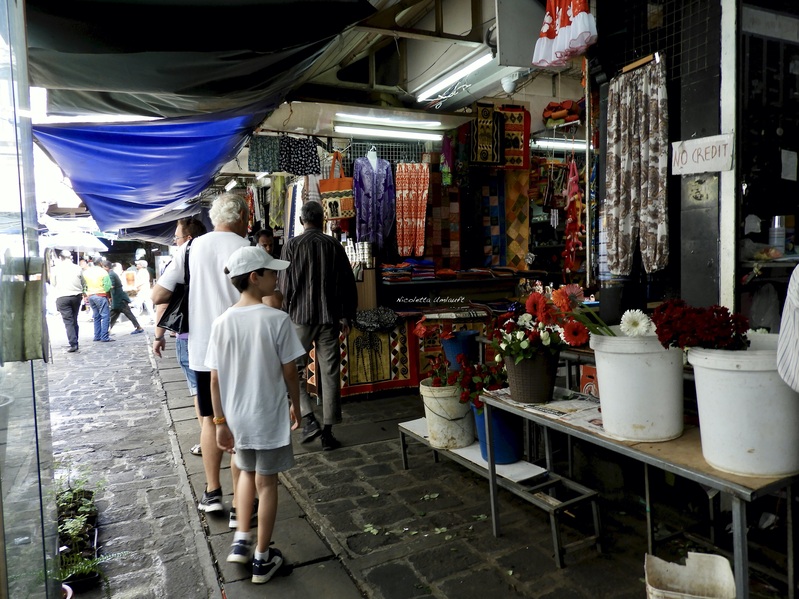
pixel 247 259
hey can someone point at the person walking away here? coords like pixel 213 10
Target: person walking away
pixel 321 298
pixel 251 354
pixel 186 229
pixel 210 294
pixel 67 281
pixel 143 290
pixel 98 286
pixel 120 302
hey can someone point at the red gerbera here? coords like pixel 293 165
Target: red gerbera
pixel 575 333
pixel 540 309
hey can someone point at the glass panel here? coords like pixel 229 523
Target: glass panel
pixel 27 509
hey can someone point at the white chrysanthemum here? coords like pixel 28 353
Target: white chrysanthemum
pixel 635 323
pixel 545 337
pixel 524 344
pixel 519 335
pixel 525 320
pixel 503 346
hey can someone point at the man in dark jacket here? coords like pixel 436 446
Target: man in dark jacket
pixel 321 298
pixel 120 302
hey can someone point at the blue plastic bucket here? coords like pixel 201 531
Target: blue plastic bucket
pixel 507 435
pixel 463 342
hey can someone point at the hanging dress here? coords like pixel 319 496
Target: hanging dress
pixel 374 201
pixel 567 31
pixel 413 182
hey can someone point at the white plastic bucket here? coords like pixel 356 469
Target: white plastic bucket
pixel 748 416
pixel 641 386
pixel 704 576
pixel 450 424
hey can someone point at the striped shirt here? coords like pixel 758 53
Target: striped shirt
pixel 788 343
pixel 318 287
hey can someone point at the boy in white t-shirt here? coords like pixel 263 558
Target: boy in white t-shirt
pixel 251 355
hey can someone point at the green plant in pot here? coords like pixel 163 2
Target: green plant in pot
pixel 78 559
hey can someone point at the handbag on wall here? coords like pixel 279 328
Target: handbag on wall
pixel 176 316
pixel 338 199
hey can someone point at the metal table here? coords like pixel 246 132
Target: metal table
pixel 681 456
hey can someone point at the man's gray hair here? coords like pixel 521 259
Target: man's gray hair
pixel 313 213
pixel 227 209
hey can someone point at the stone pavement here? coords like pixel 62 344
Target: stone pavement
pixel 351 522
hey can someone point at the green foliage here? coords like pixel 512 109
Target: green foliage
pixel 77 566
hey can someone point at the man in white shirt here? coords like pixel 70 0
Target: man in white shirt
pixel 210 294
pixel 67 281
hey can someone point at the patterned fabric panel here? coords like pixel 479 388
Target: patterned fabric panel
pixel 517 216
pixel 517 137
pixel 487 135
pixel 493 206
pixel 264 154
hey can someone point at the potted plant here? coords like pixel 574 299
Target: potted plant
pixel 449 421
pixel 748 416
pixel 78 558
pixel 529 337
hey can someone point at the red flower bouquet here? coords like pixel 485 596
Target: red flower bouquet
pixel 541 324
pixel 472 379
pixel 680 325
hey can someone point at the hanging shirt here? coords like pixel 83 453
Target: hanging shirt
pixel 375 209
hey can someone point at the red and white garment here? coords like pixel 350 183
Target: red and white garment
pixel 411 184
pixel 568 29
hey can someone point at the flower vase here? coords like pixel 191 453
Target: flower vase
pixel 449 422
pixel 533 379
pixel 507 434
pixel 748 416
pixel 462 342
pixel 640 387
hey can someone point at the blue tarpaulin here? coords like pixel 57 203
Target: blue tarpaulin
pixel 128 174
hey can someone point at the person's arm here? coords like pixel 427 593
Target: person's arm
pixel 159 340
pixel 293 383
pixel 224 438
pixel 161 291
pixel 159 295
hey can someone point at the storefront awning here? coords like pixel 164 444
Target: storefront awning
pixel 129 174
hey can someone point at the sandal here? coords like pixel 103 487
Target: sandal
pixel 196 450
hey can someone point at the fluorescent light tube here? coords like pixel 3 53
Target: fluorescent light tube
pixel 443 84
pixel 388 133
pixel 384 120
pixel 231 184
pixel 556 144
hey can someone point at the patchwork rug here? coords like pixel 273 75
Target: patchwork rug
pixel 517 216
pixel 493 208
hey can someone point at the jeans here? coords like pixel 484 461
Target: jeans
pixel 182 352
pixel 69 308
pixel 100 315
pixel 328 369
